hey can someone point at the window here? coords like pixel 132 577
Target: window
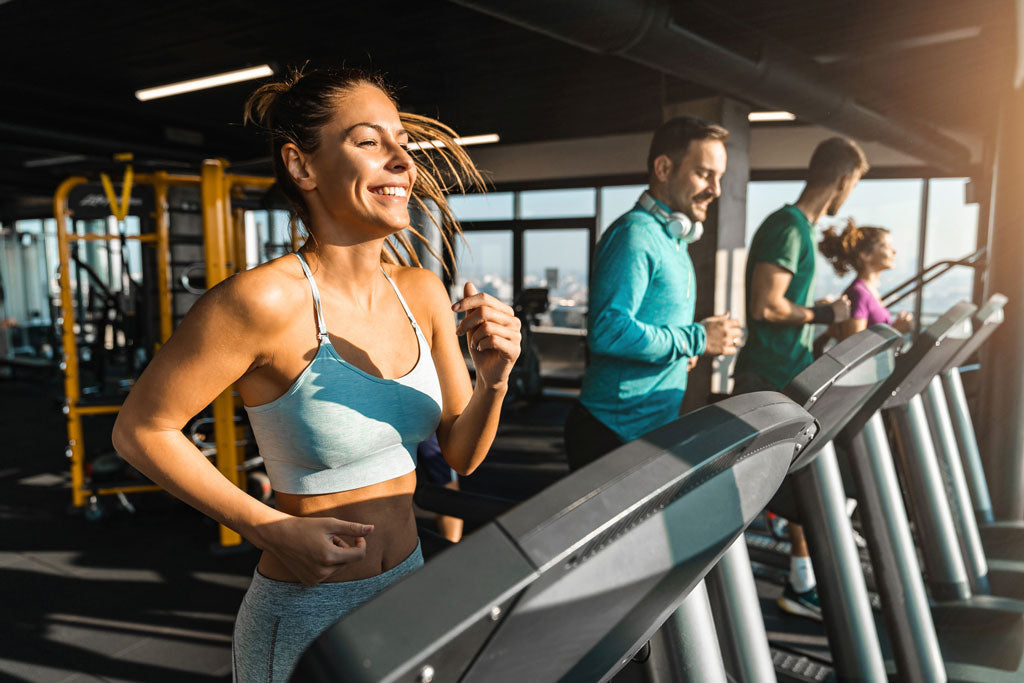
pixel 485 259
pixel 494 206
pixel 557 203
pixel 892 204
pixel 557 260
pixel 951 233
pixel 546 245
pixel 616 201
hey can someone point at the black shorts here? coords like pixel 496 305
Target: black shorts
pixel 431 465
pixel 586 437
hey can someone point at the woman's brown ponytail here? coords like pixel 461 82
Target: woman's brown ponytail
pixel 844 250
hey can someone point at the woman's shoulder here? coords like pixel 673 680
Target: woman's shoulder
pixel 417 283
pixel 423 291
pixel 862 299
pixel 265 296
pixel 858 289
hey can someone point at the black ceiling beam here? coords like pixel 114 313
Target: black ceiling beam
pixel 644 31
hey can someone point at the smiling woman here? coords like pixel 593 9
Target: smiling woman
pixel 345 358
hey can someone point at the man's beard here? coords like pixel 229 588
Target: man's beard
pixel 702 197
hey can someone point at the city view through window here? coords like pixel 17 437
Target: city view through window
pixel 557 258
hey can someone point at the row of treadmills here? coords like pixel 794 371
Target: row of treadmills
pixel 638 563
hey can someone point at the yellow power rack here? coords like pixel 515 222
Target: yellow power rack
pixel 224 247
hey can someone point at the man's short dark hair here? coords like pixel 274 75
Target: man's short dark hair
pixel 834 158
pixel 673 138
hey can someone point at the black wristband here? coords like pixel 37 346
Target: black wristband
pixel 823 315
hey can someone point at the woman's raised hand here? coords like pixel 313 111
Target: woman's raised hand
pixel 492 334
pixel 314 548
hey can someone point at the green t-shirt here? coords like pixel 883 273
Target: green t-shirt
pixel 777 353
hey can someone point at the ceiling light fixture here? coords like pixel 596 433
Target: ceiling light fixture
pixel 54 161
pixel 762 116
pixel 462 142
pixel 205 82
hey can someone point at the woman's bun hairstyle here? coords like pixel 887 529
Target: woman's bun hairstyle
pixel 297 107
pixel 844 250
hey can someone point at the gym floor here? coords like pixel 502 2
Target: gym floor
pixel 146 596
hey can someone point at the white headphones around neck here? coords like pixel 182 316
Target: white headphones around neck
pixel 678 224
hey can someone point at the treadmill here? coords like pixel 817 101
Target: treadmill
pixel 993 552
pixel 985 321
pixel 1002 542
pixel 832 389
pixel 570 585
pixel 963 635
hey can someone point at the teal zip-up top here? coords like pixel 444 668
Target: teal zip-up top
pixel 640 328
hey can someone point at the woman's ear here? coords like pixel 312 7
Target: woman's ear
pixel 297 163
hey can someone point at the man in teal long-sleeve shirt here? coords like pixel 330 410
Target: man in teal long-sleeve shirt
pixel 641 333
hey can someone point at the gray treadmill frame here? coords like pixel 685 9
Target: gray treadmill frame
pixel 546 537
pixel 862 361
pixel 974 630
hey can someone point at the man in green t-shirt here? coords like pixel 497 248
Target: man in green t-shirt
pixel 781 314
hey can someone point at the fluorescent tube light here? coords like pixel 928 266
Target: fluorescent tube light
pixel 761 116
pixel 54 161
pixel 205 82
pixel 462 142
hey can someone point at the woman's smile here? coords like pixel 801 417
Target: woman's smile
pixel 391 192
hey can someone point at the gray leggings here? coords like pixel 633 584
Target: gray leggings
pixel 279 620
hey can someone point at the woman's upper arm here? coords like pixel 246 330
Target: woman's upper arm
pixel 456 388
pixel 214 345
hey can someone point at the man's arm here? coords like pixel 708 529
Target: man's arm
pixel 768 300
pixel 622 273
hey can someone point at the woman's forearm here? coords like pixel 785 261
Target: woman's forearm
pixel 172 462
pixel 470 437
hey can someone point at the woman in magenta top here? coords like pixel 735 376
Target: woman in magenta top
pixel 868 251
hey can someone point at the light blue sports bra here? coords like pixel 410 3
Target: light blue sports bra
pixel 338 428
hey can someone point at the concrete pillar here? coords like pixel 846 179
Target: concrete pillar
pixel 1001 428
pixel 721 255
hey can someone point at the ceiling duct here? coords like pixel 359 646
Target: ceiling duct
pixel 644 31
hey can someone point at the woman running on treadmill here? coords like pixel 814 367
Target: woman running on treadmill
pixel 345 359
pixel 868 251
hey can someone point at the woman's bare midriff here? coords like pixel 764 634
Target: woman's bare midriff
pixel 387 506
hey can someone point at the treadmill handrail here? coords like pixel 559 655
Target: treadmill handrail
pixel 932 336
pixel 842 360
pixel 709 433
pixel 973 260
pixel 985 321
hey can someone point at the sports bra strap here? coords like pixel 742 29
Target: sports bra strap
pixel 401 299
pixel 321 327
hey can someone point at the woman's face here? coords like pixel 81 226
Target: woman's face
pixel 363 174
pixel 882 256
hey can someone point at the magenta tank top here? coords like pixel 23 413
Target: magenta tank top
pixel 865 306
